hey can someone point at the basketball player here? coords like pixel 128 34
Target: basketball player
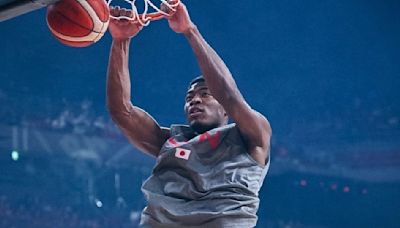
pixel 208 174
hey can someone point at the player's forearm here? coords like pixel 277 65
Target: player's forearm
pixel 216 73
pixel 118 81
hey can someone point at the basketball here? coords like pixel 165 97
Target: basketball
pixel 78 23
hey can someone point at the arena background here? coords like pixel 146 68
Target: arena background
pixel 325 73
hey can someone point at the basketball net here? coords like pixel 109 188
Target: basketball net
pixel 145 18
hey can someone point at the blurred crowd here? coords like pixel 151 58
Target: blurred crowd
pixel 41 214
pixel 293 200
pixel 78 117
pixel 56 196
pixel 356 117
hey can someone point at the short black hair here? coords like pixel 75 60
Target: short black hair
pixel 196 80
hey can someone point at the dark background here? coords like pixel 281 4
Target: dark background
pixel 325 73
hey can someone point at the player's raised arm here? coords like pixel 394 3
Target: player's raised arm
pixel 253 126
pixel 140 128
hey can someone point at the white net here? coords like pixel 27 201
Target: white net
pixel 145 17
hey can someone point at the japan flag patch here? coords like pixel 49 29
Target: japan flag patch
pixel 182 153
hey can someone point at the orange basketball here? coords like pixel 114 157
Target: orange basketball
pixel 78 23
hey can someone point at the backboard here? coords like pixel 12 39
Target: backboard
pixel 13 8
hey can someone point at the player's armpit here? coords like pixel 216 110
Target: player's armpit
pixel 141 129
pixel 254 127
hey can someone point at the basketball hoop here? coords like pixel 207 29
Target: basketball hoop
pixel 145 18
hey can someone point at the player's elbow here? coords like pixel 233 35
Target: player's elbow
pixel 118 113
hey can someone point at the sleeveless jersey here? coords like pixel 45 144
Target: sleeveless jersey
pixel 203 181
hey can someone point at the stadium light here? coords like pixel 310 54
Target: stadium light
pixel 15 155
pixel 99 204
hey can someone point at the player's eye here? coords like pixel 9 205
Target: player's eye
pixel 205 94
pixel 188 98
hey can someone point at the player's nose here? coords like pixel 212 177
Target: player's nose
pixel 195 100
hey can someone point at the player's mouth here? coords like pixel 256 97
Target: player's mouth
pixel 195 112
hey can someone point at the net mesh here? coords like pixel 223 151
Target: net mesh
pixel 145 17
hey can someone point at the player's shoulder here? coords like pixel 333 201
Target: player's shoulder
pixel 166 132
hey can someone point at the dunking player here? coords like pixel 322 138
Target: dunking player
pixel 208 174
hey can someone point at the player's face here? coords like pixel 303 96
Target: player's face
pixel 203 111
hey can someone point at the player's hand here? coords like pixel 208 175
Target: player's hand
pixel 179 21
pixel 122 28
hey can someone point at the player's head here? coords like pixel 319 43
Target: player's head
pixel 202 110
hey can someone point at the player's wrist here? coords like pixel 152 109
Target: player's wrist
pixel 121 41
pixel 191 29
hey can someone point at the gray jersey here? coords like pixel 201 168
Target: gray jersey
pixel 206 180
